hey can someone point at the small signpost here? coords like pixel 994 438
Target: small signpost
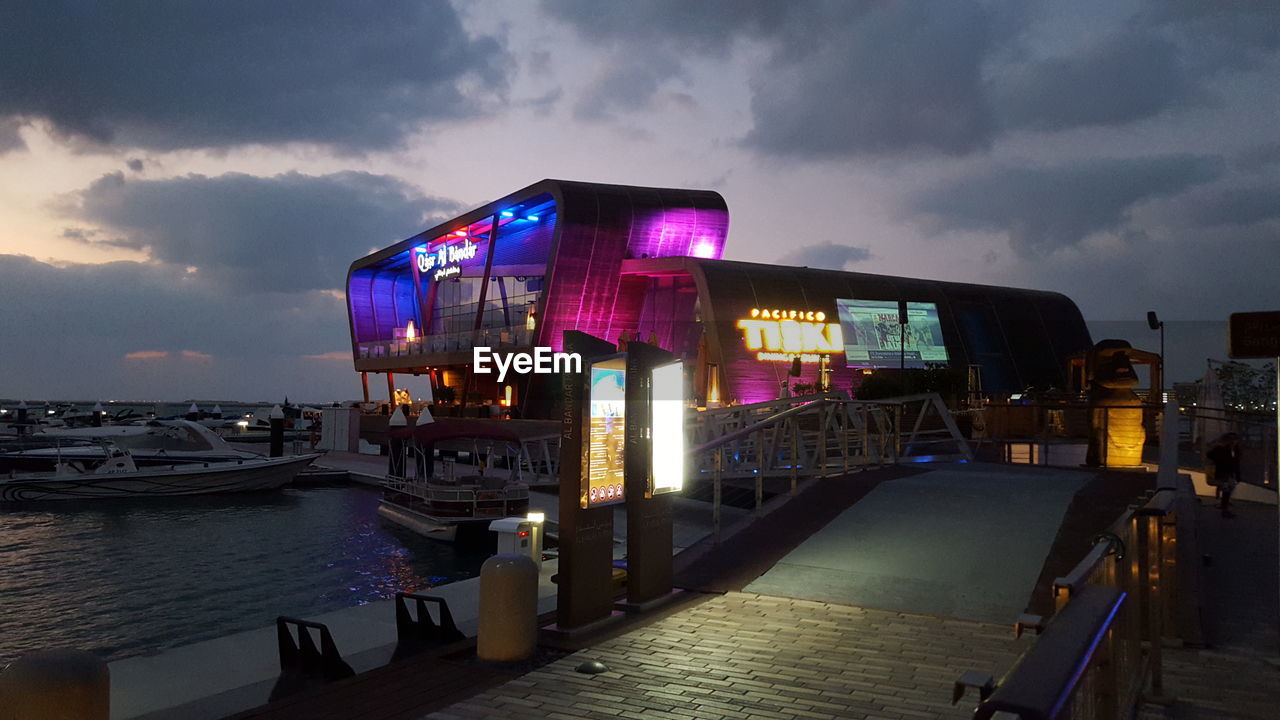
pixel 584 592
pixel 1256 336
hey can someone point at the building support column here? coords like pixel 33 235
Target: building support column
pixel 364 383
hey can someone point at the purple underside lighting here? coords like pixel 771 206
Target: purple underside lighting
pixel 681 232
pixel 596 306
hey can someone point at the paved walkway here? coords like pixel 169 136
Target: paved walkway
pixel 745 654
pixel 1237 676
pixel 964 541
pixel 742 655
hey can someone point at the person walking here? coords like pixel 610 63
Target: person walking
pixel 1225 456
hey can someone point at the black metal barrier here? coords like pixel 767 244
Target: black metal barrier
pixel 302 664
pixel 1069 662
pixel 414 635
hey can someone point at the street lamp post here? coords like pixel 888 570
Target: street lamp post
pixel 1155 323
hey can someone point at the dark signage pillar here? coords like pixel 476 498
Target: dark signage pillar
pixel 584 592
pixel 648 515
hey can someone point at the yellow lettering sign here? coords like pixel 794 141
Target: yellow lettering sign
pixel 784 334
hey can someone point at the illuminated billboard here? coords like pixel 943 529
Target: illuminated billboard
pixel 873 337
pixel 606 428
pixel 783 335
pixel 666 441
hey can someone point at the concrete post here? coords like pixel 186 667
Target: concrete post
pixel 55 684
pixel 508 608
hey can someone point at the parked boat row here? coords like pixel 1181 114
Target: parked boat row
pixel 157 458
pixel 158 442
pixel 119 477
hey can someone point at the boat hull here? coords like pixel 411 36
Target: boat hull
pixel 177 480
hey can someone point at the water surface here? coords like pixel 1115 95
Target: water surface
pixel 134 577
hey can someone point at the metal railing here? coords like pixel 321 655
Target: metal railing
pixel 1069 671
pixel 1137 559
pixel 817 436
pixel 462 341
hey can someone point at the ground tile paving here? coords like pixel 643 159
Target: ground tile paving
pixel 743 655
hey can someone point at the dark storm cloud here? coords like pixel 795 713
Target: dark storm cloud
pixel 841 80
pixel 10 137
pixel 649 40
pixel 356 75
pixel 120 307
pixel 1247 25
pixel 825 255
pixel 1119 80
pixel 285 233
pixel 186 336
pixel 616 89
pixel 1259 158
pixel 903 77
pixel 708 27
pixel 1042 209
pixel 93 237
pixel 1231 207
pixel 1183 273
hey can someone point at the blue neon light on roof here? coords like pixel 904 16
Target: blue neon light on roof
pixel 508 213
pixel 531 217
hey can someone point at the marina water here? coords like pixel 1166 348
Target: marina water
pixel 123 578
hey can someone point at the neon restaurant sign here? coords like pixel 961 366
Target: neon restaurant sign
pixel 445 260
pixel 787 334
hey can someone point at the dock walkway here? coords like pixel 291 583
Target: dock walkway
pixel 729 651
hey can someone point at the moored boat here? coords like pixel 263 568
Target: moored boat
pixel 154 443
pixel 447 506
pixel 120 477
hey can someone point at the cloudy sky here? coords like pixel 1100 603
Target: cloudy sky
pixel 183 185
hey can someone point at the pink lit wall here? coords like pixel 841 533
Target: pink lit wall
pixel 602 225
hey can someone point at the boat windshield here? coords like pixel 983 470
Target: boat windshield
pixel 169 438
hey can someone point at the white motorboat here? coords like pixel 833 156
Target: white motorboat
pixel 158 442
pixel 119 477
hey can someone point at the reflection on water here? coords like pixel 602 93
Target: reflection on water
pixel 124 578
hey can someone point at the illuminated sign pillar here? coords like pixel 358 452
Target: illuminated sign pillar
pixel 654 468
pixel 584 590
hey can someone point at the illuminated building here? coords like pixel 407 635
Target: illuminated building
pixel 624 263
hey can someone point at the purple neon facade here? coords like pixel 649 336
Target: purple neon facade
pixel 572 251
pixel 602 228
pixel 618 261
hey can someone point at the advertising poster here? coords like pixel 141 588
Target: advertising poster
pixel 606 436
pixel 873 337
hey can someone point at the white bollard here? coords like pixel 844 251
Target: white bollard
pixel 508 608
pixel 56 685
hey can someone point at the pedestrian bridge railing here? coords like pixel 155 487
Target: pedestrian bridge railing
pixel 817 436
pixel 1063 674
pixel 1145 562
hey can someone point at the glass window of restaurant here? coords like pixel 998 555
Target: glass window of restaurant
pixel 516 277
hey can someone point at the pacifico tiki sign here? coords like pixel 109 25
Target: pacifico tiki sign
pixel 782 335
